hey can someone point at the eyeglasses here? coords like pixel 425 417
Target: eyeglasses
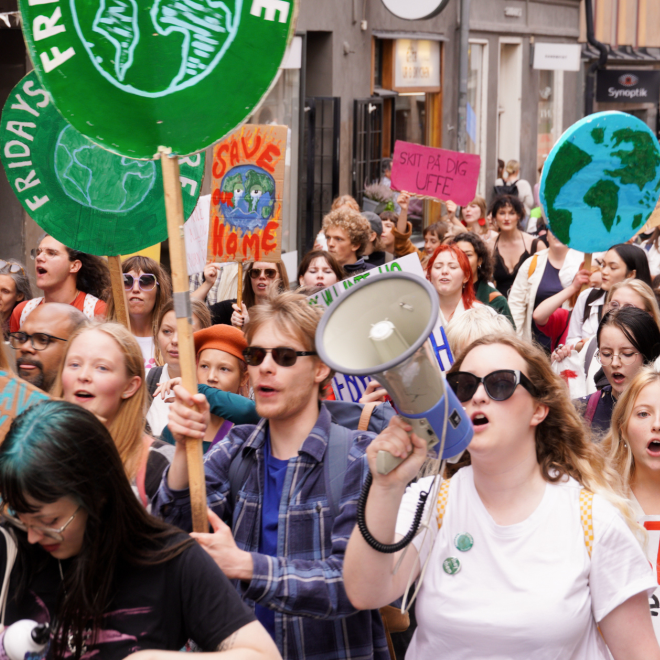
pixel 499 385
pixel 270 273
pixel 39 340
pixel 11 266
pixel 616 305
pixel 55 534
pixel 146 282
pixel 605 357
pixel 284 356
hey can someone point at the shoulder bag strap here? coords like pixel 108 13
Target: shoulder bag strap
pixel 365 416
pixel 591 351
pixel 592 404
pixel 586 518
pixel 334 464
pixel 153 377
pixel 29 306
pixel 443 496
pixel 12 551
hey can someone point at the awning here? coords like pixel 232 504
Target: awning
pixel 623 54
pixel 385 93
pixel 399 34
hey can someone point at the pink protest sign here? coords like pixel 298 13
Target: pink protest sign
pixel 433 172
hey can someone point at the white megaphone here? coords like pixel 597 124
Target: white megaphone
pixel 380 328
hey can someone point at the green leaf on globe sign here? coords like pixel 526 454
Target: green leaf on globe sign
pixel 86 197
pixel 601 181
pixel 133 75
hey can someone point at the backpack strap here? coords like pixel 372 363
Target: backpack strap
pixel 239 468
pixel 591 407
pixel 334 464
pixel 89 305
pixel 365 415
pixel 12 551
pixel 586 518
pixel 443 495
pixel 591 351
pixel 532 265
pixel 29 306
pixel 153 377
pixel 492 296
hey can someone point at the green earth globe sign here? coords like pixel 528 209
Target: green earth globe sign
pixel 88 198
pixel 134 75
pixel 601 181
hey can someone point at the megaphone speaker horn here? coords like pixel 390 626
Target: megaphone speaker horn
pixel 380 328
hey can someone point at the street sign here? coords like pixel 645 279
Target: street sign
pixel 133 76
pixel 86 197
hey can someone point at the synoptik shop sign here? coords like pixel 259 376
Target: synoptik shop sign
pixel 621 86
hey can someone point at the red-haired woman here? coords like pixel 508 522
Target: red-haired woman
pixel 450 274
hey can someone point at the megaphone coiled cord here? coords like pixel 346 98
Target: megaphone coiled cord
pixel 362 522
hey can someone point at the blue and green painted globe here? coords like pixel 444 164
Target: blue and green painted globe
pixel 601 181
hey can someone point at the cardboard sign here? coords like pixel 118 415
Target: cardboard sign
pixel 352 388
pixel 133 76
pixel 437 173
pixel 16 395
pixel 196 231
pixel 86 197
pixel 246 195
pixel 601 181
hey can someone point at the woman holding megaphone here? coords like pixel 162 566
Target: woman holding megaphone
pixel 532 546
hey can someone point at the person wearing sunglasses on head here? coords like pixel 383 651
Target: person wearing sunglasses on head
pixel 627 339
pixel 279 525
pixel 148 289
pixel 535 552
pixel 66 276
pixel 261 279
pixel 112 581
pixel 14 288
pixel 41 342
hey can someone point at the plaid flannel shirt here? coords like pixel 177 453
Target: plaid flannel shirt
pixel 314 620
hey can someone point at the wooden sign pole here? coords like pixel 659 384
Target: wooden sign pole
pixel 239 292
pixel 182 309
pixel 119 292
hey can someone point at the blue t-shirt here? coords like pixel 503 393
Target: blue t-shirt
pixel 275 472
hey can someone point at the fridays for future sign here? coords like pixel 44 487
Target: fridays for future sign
pixel 436 173
pixel 86 197
pixel 135 75
pixel 351 388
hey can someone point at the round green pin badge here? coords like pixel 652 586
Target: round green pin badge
pixel 86 197
pixel 463 542
pixel 451 565
pixel 134 75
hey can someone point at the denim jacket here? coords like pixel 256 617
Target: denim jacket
pixel 314 620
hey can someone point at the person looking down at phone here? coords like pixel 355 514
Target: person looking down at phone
pixel 514 572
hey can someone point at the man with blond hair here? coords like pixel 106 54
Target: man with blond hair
pixel 347 233
pixel 280 521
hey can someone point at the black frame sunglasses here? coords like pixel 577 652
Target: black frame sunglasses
pixel 282 355
pixel 499 385
pixel 143 282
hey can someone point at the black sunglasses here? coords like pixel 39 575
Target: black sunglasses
pixel 284 356
pixel 499 385
pixel 145 282
pixel 270 273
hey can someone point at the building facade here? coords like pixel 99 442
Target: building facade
pixel 357 78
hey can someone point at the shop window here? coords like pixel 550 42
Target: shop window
pixel 550 103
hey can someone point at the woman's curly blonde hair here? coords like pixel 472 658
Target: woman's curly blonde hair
pixel 563 441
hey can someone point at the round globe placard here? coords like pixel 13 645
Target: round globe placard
pixel 133 75
pixel 601 181
pixel 85 196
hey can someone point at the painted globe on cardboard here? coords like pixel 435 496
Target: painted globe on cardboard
pixel 601 181
pixel 247 197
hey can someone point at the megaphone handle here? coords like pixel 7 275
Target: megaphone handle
pixel 385 462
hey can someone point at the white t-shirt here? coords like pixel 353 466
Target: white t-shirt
pixel 148 351
pixel 652 526
pixel 159 410
pixel 528 590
